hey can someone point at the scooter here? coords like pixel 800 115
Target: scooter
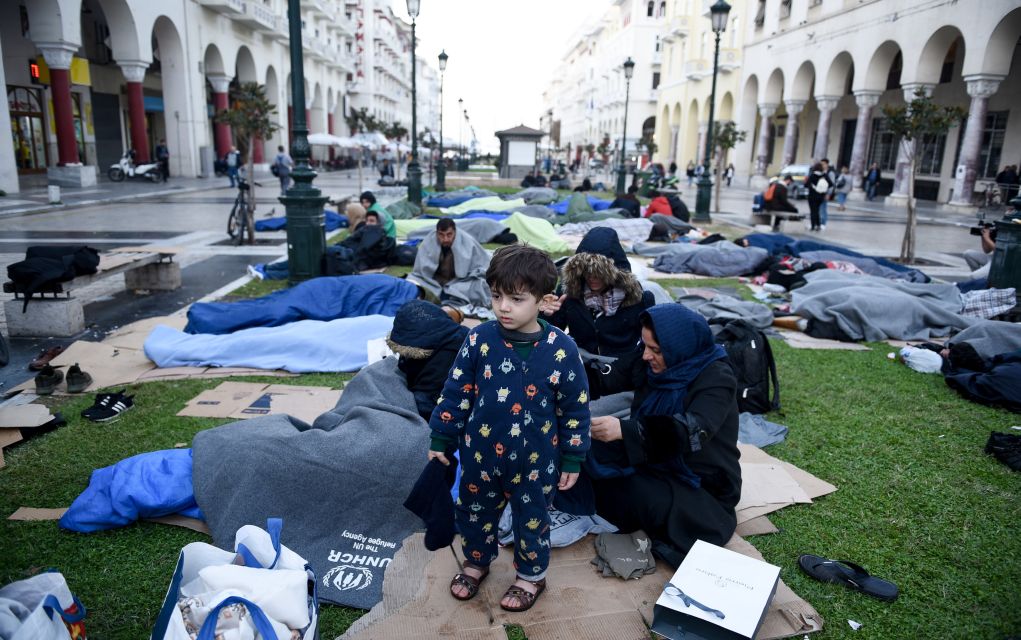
pixel 126 168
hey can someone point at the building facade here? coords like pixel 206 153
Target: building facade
pixel 817 73
pixel 686 63
pixel 588 90
pixel 88 79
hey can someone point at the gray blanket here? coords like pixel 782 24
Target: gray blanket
pixel 991 337
pixel 629 230
pixel 866 264
pixel 338 485
pixel 482 229
pixel 720 259
pixel 535 195
pixel 871 308
pixel 538 211
pixel 729 308
pixel 468 290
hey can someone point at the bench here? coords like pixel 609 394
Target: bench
pixel 766 217
pixel 55 312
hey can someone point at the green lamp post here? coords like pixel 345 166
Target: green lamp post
pixel 414 170
pixel 718 13
pixel 306 225
pixel 629 70
pixel 441 166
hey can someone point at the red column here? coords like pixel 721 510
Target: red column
pixel 329 130
pixel 136 114
pixel 258 150
pixel 63 115
pixel 221 129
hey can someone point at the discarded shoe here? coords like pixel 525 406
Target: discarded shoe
pixel 848 574
pixel 108 406
pixel 44 358
pixel 1006 448
pixel 47 380
pixel 77 380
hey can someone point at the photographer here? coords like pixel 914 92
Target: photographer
pixel 978 261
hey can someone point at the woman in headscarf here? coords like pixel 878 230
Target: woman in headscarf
pixel 602 299
pixel 671 469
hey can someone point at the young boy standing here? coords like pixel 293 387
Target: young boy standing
pixel 516 405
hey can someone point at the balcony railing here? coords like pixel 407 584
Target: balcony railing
pixel 730 59
pixel 678 29
pixel 257 16
pixel 697 69
pixel 282 31
pixel 226 7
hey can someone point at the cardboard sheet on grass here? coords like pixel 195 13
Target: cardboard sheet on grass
pixel 579 603
pixel 37 514
pixel 250 399
pixel 16 418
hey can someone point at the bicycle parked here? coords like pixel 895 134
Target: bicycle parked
pixel 242 214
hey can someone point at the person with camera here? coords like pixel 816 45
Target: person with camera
pixel 978 261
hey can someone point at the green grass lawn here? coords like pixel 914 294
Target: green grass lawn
pixel 918 501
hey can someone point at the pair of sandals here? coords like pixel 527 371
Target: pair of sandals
pixel 471 586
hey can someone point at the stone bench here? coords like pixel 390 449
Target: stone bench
pixel 766 217
pixel 54 311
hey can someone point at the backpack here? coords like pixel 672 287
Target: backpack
pixel 770 191
pixel 678 208
pixel 275 169
pixel 752 360
pixel 45 266
pixel 339 261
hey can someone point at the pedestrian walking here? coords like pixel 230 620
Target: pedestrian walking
pixel 831 180
pixel 233 160
pixel 818 187
pixel 872 179
pixel 163 158
pixel 729 173
pixel 282 165
pixel 690 172
pixel 843 187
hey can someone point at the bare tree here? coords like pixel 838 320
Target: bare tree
pixel 726 135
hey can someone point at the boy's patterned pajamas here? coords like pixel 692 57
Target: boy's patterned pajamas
pixel 513 420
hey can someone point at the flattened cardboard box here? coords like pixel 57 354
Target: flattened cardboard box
pixel 251 399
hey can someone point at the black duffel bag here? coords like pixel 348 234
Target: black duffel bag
pixel 45 266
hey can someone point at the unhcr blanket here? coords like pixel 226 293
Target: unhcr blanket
pixel 301 347
pixel 492 203
pixel 629 230
pixel 316 299
pixel 468 290
pixel 482 229
pixel 536 232
pixel 453 198
pixel 339 485
pixel 871 308
pixel 720 259
pixel 991 337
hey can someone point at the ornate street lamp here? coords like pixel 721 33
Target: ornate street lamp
pixel 414 170
pixel 718 14
pixel 467 123
pixel 629 70
pixel 460 145
pixel 549 149
pixel 306 225
pixel 441 167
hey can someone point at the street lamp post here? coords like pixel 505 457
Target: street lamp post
pixel 460 144
pixel 718 13
pixel 467 124
pixel 414 170
pixel 306 225
pixel 441 167
pixel 549 148
pixel 629 70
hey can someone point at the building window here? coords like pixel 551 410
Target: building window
pixel 760 14
pixel 883 146
pixel 657 44
pixel 992 144
pixel 946 73
pixel 931 158
pixel 651 8
pixel 662 9
pixel 655 79
pixel 785 8
pixel 893 77
pixel 26 111
pixel 734 25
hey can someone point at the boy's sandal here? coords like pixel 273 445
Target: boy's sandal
pixel 525 598
pixel 469 582
pixel 848 574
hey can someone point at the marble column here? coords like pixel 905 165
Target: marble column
pixel 674 132
pixel 826 105
pixel 790 141
pixel 766 111
pixel 221 130
pixel 134 74
pixel 702 128
pixel 58 59
pixel 980 88
pixel 329 130
pixel 906 148
pixel 866 101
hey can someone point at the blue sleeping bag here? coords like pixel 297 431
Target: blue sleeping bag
pixel 325 298
pixel 594 202
pixel 334 221
pixel 797 247
pixel 149 485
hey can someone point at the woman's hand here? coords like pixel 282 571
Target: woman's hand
pixel 551 304
pixel 606 429
pixel 567 481
pixel 438 455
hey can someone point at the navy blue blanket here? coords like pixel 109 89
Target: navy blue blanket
pixel 999 385
pixel 594 202
pixel 453 199
pixel 317 299
pixel 334 221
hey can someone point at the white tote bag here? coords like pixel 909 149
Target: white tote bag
pixel 41 608
pixel 822 185
pixel 272 583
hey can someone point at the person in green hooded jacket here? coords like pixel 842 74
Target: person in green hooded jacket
pixel 370 204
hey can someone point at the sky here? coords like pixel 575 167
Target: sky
pixel 502 56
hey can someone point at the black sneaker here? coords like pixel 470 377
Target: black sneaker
pixel 47 380
pixel 77 380
pixel 108 406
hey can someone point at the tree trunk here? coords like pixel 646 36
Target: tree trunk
pixel 250 218
pixel 907 248
pixel 721 159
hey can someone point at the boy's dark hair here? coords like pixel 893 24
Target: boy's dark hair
pixel 445 224
pixel 367 195
pixel 373 214
pixel 519 268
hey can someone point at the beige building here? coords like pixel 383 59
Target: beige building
pixel 687 66
pixel 817 73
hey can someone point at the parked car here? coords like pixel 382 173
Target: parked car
pixel 799 172
pixel 596 164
